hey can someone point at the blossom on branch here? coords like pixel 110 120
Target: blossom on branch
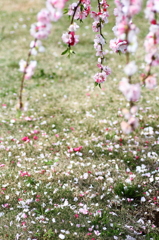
pixel 82 12
pixel 130 91
pixel 118 45
pixel 151 82
pixel 70 38
pixel 27 69
pixel 40 30
pixel 100 77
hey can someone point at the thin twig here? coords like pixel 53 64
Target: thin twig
pixel 23 77
pixel 75 10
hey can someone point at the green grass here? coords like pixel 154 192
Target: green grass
pixel 77 194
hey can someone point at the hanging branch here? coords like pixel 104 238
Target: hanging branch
pixel 23 77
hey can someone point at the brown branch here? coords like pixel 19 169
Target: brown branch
pixel 23 78
pixel 100 30
pixel 75 10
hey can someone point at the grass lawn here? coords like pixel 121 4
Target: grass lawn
pixel 77 177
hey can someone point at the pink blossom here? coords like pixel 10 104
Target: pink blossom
pixel 100 77
pixel 81 12
pixel 36 131
pixel 70 38
pixel 151 7
pixel 133 110
pixel 23 223
pixel 83 210
pixel 99 42
pixel 35 137
pixel 105 69
pixel 97 232
pixel 118 45
pixel 96 16
pixel 149 43
pixel 99 39
pixel 28 118
pixel 57 3
pixel 135 9
pixel 6 205
pixel 133 122
pixel 26 139
pixel 2 165
pixel 96 26
pixel 100 16
pixel 22 65
pixel 87 2
pixel 122 27
pixel 55 13
pixel 77 149
pixel 104 17
pixel 40 30
pixel 29 71
pixel 126 128
pixel 71 9
pixel 43 16
pixel 131 125
pixel 130 68
pixel 24 215
pixel 130 91
pixel 151 82
pixel 22 174
pixel 73 27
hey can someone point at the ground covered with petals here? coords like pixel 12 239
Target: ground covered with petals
pixel 66 169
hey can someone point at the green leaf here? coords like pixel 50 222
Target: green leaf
pixel 49 162
pixel 96 84
pixel 81 7
pixel 65 11
pixel 63 53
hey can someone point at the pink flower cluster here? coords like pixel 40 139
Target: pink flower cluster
pixel 28 69
pixel 151 82
pixel 124 29
pixel 25 173
pixel 130 91
pixel 58 4
pixel 81 12
pixel 118 45
pixel 152 7
pixel 100 18
pixel 130 126
pixel 52 12
pixel 132 122
pixel 40 30
pixel 101 76
pixel 151 42
pixel 132 94
pixel 36 46
pixel 78 11
pixel 99 43
pixel 70 38
pixel 126 42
